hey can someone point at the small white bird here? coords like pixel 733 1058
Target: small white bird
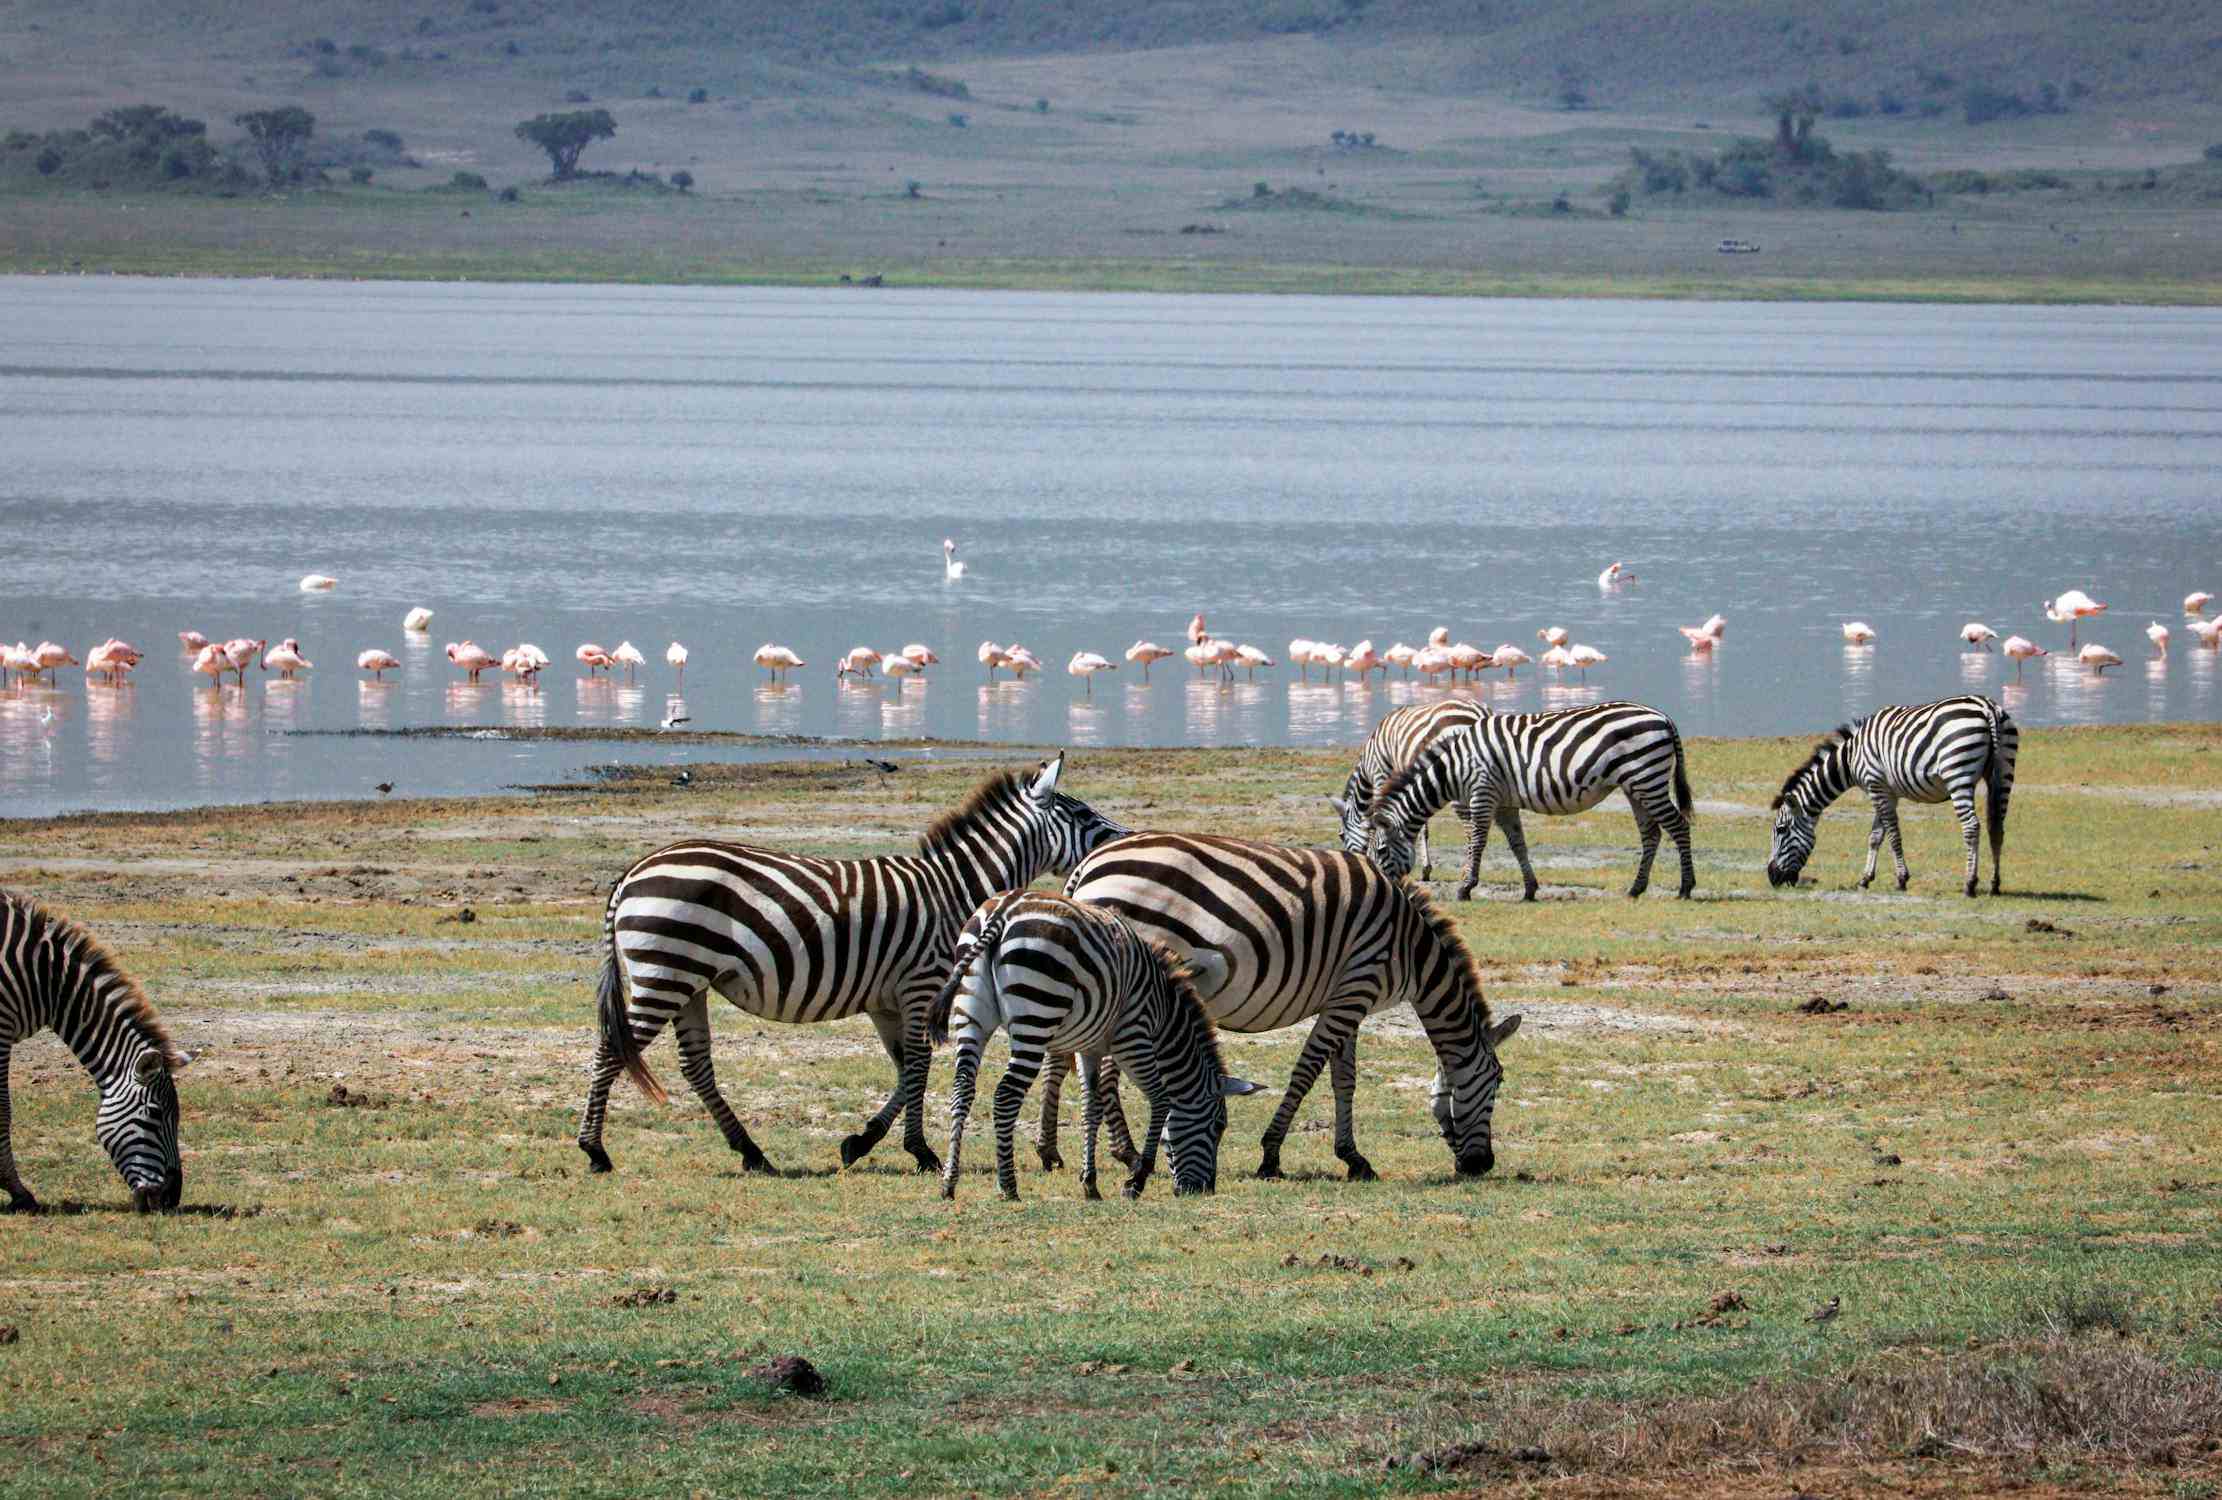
pixel 1978 635
pixel 2097 657
pixel 317 583
pixel 2207 633
pixel 1614 576
pixel 1085 664
pixel 1585 657
pixel 675 655
pixel 673 721
pixel 377 663
pixel 1511 658
pixel 993 656
pixel 1552 635
pixel 2157 633
pixel 2196 603
pixel 1859 633
pixel 419 618
pixel 951 569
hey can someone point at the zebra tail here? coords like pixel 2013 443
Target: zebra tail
pixel 1681 778
pixel 617 1031
pixel 982 951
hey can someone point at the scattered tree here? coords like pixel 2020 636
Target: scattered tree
pixel 1794 114
pixel 682 179
pixel 360 176
pixel 564 136
pixel 281 139
pixel 698 96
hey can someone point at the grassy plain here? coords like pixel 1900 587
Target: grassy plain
pixel 2000 1154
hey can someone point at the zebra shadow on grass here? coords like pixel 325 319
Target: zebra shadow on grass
pixel 64 1208
pixel 2013 895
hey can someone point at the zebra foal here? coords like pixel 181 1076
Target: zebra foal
pixel 797 939
pixel 1077 980
pixel 1556 764
pixel 1928 752
pixel 1275 935
pixel 54 973
pixel 1395 743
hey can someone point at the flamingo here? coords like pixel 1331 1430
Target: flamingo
pixel 951 569
pixel 858 663
pixel 1085 664
pixel 1432 662
pixel 675 655
pixel 1024 661
pixel 1614 576
pixel 2020 649
pixel 1978 635
pixel 1557 658
pixel 899 666
pixel 211 662
pixel 1197 635
pixel 1585 657
pixel 1706 636
pixel 113 656
pixel 49 658
pixel 1252 659
pixel 2157 633
pixel 2097 658
pixel 317 583
pixel 526 661
pixel 1859 633
pixel 1326 653
pixel 239 651
pixel 287 658
pixel 1300 652
pixel 1199 656
pixel 1511 658
pixel 777 659
pixel 1470 659
pixel 2196 603
pixel 472 657
pixel 1439 636
pixel 1146 652
pixel 629 654
pixel 2070 609
pixel 378 663
pixel 1399 654
pixel 1363 659
pixel 17 659
pixel 419 618
pixel 1552 635
pixel 920 654
pixel 592 657
pixel 191 640
pixel 993 656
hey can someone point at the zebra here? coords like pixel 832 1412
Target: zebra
pixel 1555 763
pixel 798 939
pixel 1927 752
pixel 1394 744
pixel 1078 979
pixel 55 973
pixel 1274 934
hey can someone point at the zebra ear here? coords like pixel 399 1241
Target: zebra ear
pixel 149 1067
pixel 1046 783
pixel 1342 808
pixel 1501 1033
pixel 1231 1087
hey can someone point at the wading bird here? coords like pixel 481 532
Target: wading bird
pixel 1024 661
pixel 317 583
pixel 1859 633
pixel 777 659
pixel 419 618
pixel 1252 659
pixel 2021 649
pixel 1978 635
pixel 1585 657
pixel 1146 652
pixel 592 657
pixel 2157 633
pixel 1400 655
pixel 629 654
pixel 287 658
pixel 471 657
pixel 951 569
pixel 378 663
pixel 1085 664
pixel 2196 604
pixel 1552 635
pixel 2097 658
pixel 2070 609
pixel 1511 658
pixel 993 656
pixel 675 655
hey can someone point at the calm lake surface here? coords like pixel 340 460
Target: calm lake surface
pixel 729 467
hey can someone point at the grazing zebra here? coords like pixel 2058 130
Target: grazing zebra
pixel 792 938
pixel 55 973
pixel 1275 934
pixel 1927 752
pixel 1557 764
pixel 1079 980
pixel 1394 744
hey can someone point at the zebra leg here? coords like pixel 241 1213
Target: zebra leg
pixel 960 1109
pixel 1343 1073
pixel 1114 1113
pixel 1053 1086
pixel 915 1067
pixel 854 1148
pixel 1152 1084
pixel 19 1196
pixel 1885 811
pixel 1647 836
pixel 1971 829
pixel 692 1025
pixel 1091 1116
pixel 1678 828
pixel 1999 795
pixel 1509 820
pixel 647 1018
pixel 1010 1096
pixel 1329 1032
pixel 1898 847
pixel 1480 813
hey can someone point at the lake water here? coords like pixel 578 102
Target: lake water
pixel 729 467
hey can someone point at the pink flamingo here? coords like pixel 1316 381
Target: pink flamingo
pixel 592 657
pixel 1146 652
pixel 1024 661
pixel 211 662
pixel 1252 659
pixel 1511 658
pixel 1585 657
pixel 317 583
pixel 1614 576
pixel 113 657
pixel 191 640
pixel 2196 603
pixel 1552 635
pixel 378 663
pixel 1399 655
pixel 1432 662
pixel 471 657
pixel 239 651
pixel 1557 658
pixel 418 618
pixel 1978 635
pixel 1197 635
pixel 920 654
pixel 1470 659
pixel 1328 654
pixel 2021 649
pixel 1439 636
pixel 1085 664
pixel 1363 659
pixel 993 656
pixel 2207 632
pixel 859 662
pixel 1199 656
pixel 2097 658
pixel 2157 633
pixel 777 659
pixel 629 654
pixel 675 655
pixel 2071 609
pixel 1706 636
pixel 1300 652
pixel 286 657
pixel 1858 633
pixel 50 658
pixel 899 667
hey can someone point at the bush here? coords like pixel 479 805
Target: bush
pixel 577 96
pixel 1983 104
pixel 2214 152
pixel 683 180
pixel 384 140
pixel 1041 106
pixel 1619 204
pixel 466 182
pixel 508 194
pixel 947 13
pixel 698 96
pixel 933 83
pixel 959 120
pixel 359 176
pixel 1664 172
pixel 48 162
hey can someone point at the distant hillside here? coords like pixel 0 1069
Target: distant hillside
pixel 1616 53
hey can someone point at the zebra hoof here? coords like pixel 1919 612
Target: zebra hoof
pixel 1269 1170
pixel 1971 890
pixel 21 1203
pixel 1051 1161
pixel 856 1147
pixel 1361 1170
pixel 1684 893
pixel 1901 882
pixel 1529 893
pixel 758 1162
pixel 1088 1191
pixel 924 1156
pixel 597 1160
pixel 1132 1189
pixel 949 1187
pixel 1010 1192
pixel 1477 1165
pixel 1464 893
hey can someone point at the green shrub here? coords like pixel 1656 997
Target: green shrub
pixel 577 96
pixel 1982 104
pixel 384 140
pixel 360 176
pixel 48 162
pixel 2214 152
pixel 508 194
pixel 1619 204
pixel 683 180
pixel 466 182
pixel 698 96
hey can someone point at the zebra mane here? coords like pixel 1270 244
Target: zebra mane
pixel 941 835
pixel 1404 777
pixel 1446 932
pixel 1182 980
pixel 1837 736
pixel 98 964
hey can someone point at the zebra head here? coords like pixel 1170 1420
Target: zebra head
pixel 1196 1075
pixel 1193 1133
pixel 1070 828
pixel 1466 1127
pixel 1392 848
pixel 137 1126
pixel 1795 830
pixel 1351 809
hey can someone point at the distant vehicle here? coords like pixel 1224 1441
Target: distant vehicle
pixel 1738 247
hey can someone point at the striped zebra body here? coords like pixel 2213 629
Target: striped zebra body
pixel 1077 980
pixel 1928 752
pixel 1395 743
pixel 1556 764
pixel 53 973
pixel 798 939
pixel 1275 935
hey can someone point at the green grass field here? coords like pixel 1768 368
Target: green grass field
pixel 2000 1155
